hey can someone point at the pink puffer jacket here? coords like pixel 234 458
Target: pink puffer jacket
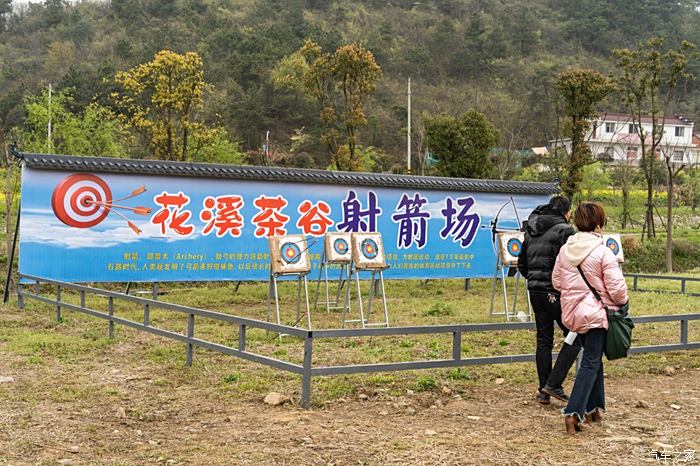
pixel 580 309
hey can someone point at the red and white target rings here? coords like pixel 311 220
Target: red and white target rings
pixel 81 200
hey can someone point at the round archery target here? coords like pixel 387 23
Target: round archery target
pixel 613 245
pixel 369 248
pixel 340 246
pixel 514 247
pixel 81 200
pixel 290 253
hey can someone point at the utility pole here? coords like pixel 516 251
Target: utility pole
pixel 49 148
pixel 408 130
pixel 267 147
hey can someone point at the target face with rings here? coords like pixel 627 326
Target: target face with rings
pixel 369 248
pixel 340 246
pixel 613 245
pixel 290 253
pixel 80 200
pixel 514 247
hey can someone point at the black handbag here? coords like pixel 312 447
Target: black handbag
pixel 618 339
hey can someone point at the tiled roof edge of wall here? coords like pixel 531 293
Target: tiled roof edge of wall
pixel 293 175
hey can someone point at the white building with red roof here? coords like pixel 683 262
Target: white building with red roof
pixel 614 139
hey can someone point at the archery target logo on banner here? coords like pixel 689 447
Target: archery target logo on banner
pixel 81 200
pixel 368 251
pixel 289 254
pixel 614 243
pixel 510 245
pixel 337 247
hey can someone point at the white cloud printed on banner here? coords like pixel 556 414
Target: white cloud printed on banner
pixel 45 229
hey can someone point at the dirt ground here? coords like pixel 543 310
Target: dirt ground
pixel 107 410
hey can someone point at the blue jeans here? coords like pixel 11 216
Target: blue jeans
pixel 589 391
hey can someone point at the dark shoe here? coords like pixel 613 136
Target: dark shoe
pixel 595 416
pixel 557 393
pixel 543 398
pixel 572 424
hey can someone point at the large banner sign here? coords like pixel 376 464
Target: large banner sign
pixel 106 227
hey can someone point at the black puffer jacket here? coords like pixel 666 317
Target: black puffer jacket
pixel 547 231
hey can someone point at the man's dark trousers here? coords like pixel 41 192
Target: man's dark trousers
pixel 547 311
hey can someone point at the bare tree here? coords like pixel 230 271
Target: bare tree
pixel 673 169
pixel 647 78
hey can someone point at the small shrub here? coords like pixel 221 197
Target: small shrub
pixel 439 310
pixel 425 382
pixel 232 377
pixel 650 256
pixel 458 374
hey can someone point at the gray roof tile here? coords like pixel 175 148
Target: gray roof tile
pixel 294 175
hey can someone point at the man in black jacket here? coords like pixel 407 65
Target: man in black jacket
pixel 546 232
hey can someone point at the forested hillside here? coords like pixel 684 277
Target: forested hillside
pixel 497 56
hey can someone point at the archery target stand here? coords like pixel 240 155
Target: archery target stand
pixel 367 256
pixel 289 257
pixel 508 248
pixel 336 252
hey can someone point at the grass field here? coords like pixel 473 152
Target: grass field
pixel 410 303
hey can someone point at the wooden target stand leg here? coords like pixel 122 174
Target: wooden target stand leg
pixel 364 319
pixel 499 274
pixel 323 276
pixel 508 312
pixel 273 293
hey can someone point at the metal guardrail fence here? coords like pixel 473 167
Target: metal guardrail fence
pixel 683 282
pixel 306 369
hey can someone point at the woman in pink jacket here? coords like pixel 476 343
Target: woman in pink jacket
pixel 584 253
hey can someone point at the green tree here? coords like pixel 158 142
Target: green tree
pixel 163 100
pixel 340 82
pixel 462 145
pixel 647 78
pixel 580 90
pixel 95 132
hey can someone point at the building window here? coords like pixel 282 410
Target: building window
pixel 609 127
pixel 680 132
pixel 678 156
pixel 633 128
pixel 631 154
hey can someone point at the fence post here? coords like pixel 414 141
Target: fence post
pixel 20 298
pixel 110 310
pixel 684 332
pixel 456 346
pixel 147 314
pixel 467 284
pixel 154 291
pixel 634 283
pixel 241 337
pixel 190 334
pixel 683 286
pixel 58 303
pixel 82 299
pixel 306 372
